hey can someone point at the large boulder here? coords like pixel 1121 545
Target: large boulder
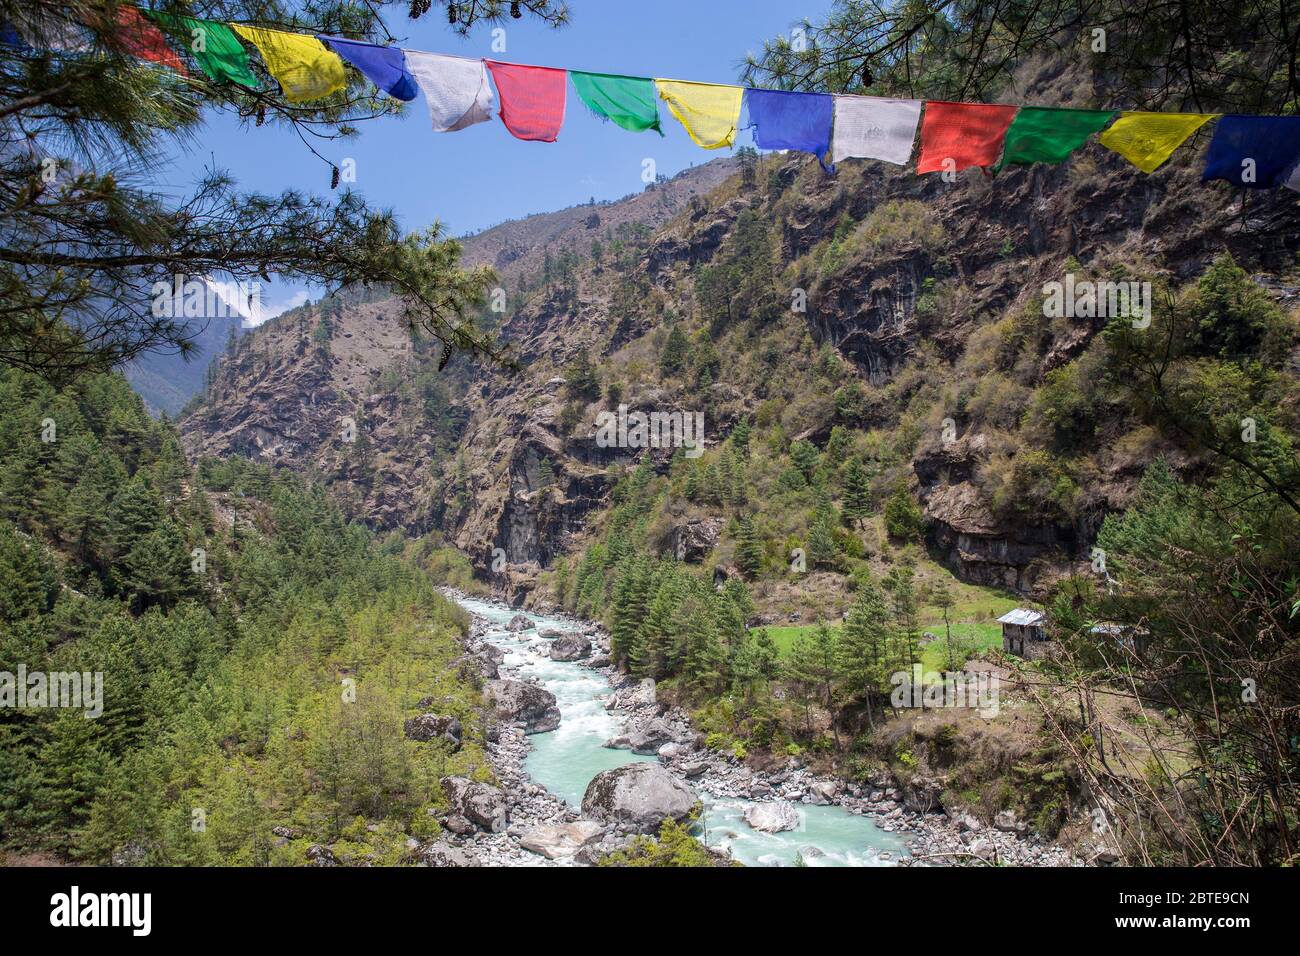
pixel 428 727
pixel 519 623
pixel 570 647
pixel 489 659
pixel 516 700
pixel 694 540
pixel 646 740
pixel 556 840
pixel 640 796
pixel 550 634
pixel 823 793
pixel 443 855
pixel 772 816
pixel 480 803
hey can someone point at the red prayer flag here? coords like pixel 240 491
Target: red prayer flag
pixel 970 134
pixel 532 99
pixel 140 38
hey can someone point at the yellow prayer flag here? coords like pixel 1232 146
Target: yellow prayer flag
pixel 305 69
pixel 1148 139
pixel 709 111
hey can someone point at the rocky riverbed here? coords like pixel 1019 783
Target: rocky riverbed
pixel 523 824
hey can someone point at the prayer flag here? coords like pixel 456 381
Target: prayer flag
pixel 709 111
pixel 783 120
pixel 141 39
pixel 1257 152
pixel 384 66
pixel 213 45
pixel 1041 134
pixel 873 127
pixel 1148 139
pixel 456 89
pixel 532 99
pixel 959 135
pixel 628 101
pixel 303 67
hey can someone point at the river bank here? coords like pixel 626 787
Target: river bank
pixel 813 816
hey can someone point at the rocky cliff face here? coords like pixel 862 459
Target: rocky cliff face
pixel 927 275
pixel 331 389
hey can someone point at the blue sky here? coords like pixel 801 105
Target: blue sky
pixel 482 176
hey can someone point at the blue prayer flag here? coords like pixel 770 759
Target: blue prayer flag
pixel 385 66
pixel 784 120
pixel 9 36
pixel 1257 152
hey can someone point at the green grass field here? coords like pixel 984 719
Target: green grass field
pixel 973 616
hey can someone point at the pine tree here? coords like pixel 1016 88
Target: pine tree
pixel 942 598
pixel 857 493
pixel 581 378
pixel 673 359
pixel 749 548
pixel 740 435
pixel 903 519
pixel 806 458
pixel 814 667
pixel 704 661
pixel 836 446
pixel 631 600
pixel 863 655
pixel 823 550
pixel 902 593
pixel 655 648
pixel 134 513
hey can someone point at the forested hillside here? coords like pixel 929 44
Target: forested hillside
pixel 253 692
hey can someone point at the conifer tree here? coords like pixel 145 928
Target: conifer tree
pixel 740 435
pixel 814 664
pixel 857 493
pixel 704 660
pixel 580 377
pixel 749 548
pixel 631 600
pixel 655 647
pixel 863 662
pixel 806 458
pixel 823 551
pixel 673 359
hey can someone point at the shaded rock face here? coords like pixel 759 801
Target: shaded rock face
pixel 696 539
pixel 773 816
pixel 975 543
pixel 532 705
pixel 640 796
pixel 570 647
pixel 428 727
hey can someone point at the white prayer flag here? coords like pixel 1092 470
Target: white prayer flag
pixel 1293 181
pixel 872 127
pixel 456 89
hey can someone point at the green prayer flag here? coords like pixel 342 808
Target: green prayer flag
pixel 627 100
pixel 1041 134
pixel 213 45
